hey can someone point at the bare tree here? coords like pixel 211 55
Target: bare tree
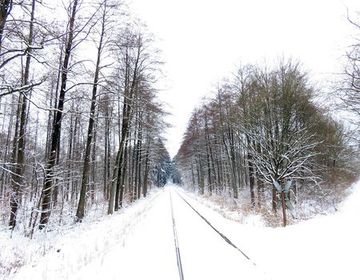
pixel 56 129
pixel 135 63
pixel 18 153
pixel 90 133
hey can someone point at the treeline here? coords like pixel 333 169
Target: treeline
pixel 263 137
pixel 80 123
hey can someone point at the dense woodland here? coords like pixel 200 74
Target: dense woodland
pixel 80 121
pixel 81 125
pixel 263 137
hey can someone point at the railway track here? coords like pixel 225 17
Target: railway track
pixel 223 236
pixel 176 241
pixel 226 239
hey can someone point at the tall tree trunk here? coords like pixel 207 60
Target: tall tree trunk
pixel 5 9
pixel 34 181
pixel 86 168
pixel 121 164
pixel 69 165
pixel 274 200
pixel 138 164
pixel 94 172
pixel 233 163
pixel 200 173
pixel 146 170
pixel 131 80
pixel 112 191
pixel 283 206
pixel 122 177
pixel 132 167
pixel 56 130
pixel 18 157
pixel 208 152
pixel 107 153
pixel 193 175
pixel 251 173
pixel 251 179
pixel 4 175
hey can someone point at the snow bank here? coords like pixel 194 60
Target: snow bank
pixel 58 255
pixel 325 247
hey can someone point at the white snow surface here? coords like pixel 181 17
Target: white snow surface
pixel 138 243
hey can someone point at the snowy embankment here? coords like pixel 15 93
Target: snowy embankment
pixel 325 247
pixel 59 254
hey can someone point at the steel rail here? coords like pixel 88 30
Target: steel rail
pixel 223 236
pixel 176 241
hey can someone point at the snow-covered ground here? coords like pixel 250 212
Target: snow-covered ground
pixel 138 243
pixel 60 254
pixel 326 247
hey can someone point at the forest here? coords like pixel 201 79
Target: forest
pixel 263 138
pixel 82 125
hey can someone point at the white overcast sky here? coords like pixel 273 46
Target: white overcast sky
pixel 202 41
